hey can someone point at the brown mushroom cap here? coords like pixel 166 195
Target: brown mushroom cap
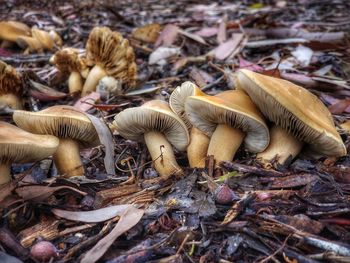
pixel 11 30
pixel 10 81
pixel 154 115
pixel 61 121
pixel 295 109
pixel 113 53
pixel 233 108
pixel 67 60
pixel 19 146
pixel 178 97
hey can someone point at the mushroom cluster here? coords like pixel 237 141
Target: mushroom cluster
pixel 32 40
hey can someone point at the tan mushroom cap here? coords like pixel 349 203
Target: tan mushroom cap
pixel 233 108
pixel 113 53
pixel 10 81
pixel 178 97
pixel 62 121
pixel 154 115
pixel 67 60
pixel 295 109
pixel 19 146
pixel 11 30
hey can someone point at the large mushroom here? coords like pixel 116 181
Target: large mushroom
pixel 19 146
pixel 69 62
pixel 228 118
pixel 11 30
pixel 199 142
pixel 71 126
pixel 299 117
pixel 110 55
pixel 155 124
pixel 10 87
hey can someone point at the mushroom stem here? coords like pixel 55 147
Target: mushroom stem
pixel 282 145
pixel 95 74
pixel 5 173
pixel 75 82
pixel 224 142
pixel 67 158
pixel 12 101
pixel 162 154
pixel 197 149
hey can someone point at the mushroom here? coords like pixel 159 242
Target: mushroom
pixel 39 41
pixel 111 55
pixel 199 142
pixel 228 118
pixel 156 125
pixel 69 62
pixel 10 86
pixel 19 146
pixel 71 126
pixel 11 30
pixel 299 117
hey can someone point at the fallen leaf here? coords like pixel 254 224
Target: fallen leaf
pixel 225 49
pixel 194 37
pixel 94 216
pixel 249 65
pixel 129 219
pixel 207 32
pixel 160 55
pixel 340 106
pixel 299 79
pixel 221 36
pixel 148 33
pixel 44 93
pixel 168 36
pixel 38 193
pixel 144 90
pixel 200 77
pixel 91 98
pixel 290 181
pixel 106 139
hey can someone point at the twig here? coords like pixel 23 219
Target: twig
pixel 26 58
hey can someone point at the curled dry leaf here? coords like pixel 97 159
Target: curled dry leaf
pixel 94 216
pixel 129 219
pixel 105 136
pixel 44 93
pixel 194 37
pixel 39 193
pixel 168 36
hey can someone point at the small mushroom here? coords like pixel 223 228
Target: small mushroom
pixel 11 30
pixel 110 55
pixel 69 62
pixel 19 146
pixel 199 142
pixel 156 125
pixel 299 117
pixel 10 87
pixel 228 118
pixel 71 126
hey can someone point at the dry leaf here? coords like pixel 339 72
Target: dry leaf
pixel 303 55
pixel 148 33
pixel 225 49
pixel 249 65
pixel 207 32
pixel 39 193
pixel 168 36
pixel 192 36
pixel 87 102
pixel 106 139
pixel 160 55
pixel 94 216
pixel 339 107
pixel 221 37
pixel 44 93
pixel 129 219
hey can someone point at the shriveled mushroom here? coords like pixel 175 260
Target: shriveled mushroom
pixel 39 41
pixel 228 118
pixel 11 30
pixel 19 146
pixel 299 117
pixel 199 142
pixel 71 126
pixel 10 87
pixel 110 55
pixel 156 125
pixel 69 62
